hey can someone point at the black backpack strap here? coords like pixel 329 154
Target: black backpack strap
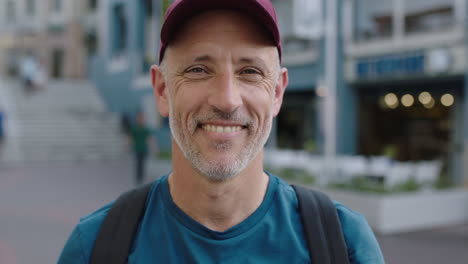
pixel 115 237
pixel 322 227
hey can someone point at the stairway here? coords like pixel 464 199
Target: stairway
pixel 65 121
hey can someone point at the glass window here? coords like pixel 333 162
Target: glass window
pixel 147 34
pixel 92 4
pixel 373 19
pixel 10 11
pixel 298 30
pixel 296 123
pixel 57 5
pixel 30 7
pixel 120 29
pixel 428 15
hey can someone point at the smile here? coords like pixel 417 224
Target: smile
pixel 222 129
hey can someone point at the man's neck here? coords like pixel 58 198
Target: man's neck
pixel 218 205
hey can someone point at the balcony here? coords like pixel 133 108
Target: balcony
pixel 411 26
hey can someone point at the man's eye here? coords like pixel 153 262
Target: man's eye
pixel 196 70
pixel 250 71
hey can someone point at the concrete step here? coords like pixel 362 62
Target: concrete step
pixel 65 121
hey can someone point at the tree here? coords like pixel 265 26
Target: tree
pixel 166 4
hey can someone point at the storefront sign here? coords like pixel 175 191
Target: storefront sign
pixel 390 66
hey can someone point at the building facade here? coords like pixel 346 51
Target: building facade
pixel 400 76
pixel 406 63
pixel 130 44
pixel 60 34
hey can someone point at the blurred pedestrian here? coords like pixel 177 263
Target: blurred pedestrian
pixel 125 124
pixel 141 143
pixel 2 129
pixel 28 72
pixel 39 77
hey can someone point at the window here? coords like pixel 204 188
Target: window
pixel 58 56
pixel 300 24
pixel 428 15
pixel 373 19
pixel 92 4
pixel 120 29
pixel 11 12
pixel 57 5
pixel 296 122
pixel 30 7
pixel 91 43
pixel 148 35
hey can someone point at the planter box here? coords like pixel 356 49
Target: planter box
pixel 394 213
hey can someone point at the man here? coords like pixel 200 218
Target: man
pixel 220 83
pixel 28 71
pixel 140 138
pixel 2 130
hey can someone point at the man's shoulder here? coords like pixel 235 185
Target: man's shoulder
pixel 360 239
pixel 95 219
pixel 91 223
pixel 80 243
pixel 83 237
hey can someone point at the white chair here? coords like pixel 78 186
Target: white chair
pixel 379 165
pixel 399 172
pixel 427 172
pixel 350 167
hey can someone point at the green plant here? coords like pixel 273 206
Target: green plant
pixel 310 146
pixel 443 182
pixel 369 185
pixel 297 175
pixel 408 186
pixel 164 155
pixel 390 151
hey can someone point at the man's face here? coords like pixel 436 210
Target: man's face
pixel 222 86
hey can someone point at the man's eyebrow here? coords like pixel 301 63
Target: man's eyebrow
pixel 244 60
pixel 253 60
pixel 203 58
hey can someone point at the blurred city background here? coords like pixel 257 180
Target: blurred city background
pixel 374 115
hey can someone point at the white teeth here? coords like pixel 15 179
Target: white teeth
pixel 221 129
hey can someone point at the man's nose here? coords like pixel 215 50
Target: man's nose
pixel 226 94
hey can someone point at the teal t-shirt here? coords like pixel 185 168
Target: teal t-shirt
pixel 272 234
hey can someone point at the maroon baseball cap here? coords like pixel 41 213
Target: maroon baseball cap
pixel 181 10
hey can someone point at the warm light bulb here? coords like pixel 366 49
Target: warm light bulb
pixel 430 104
pixel 425 98
pixel 391 100
pixel 407 100
pixel 447 100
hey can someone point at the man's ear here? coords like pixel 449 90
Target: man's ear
pixel 160 90
pixel 280 87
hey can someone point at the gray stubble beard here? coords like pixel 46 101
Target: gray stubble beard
pixel 214 171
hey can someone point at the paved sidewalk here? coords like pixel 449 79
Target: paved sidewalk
pixel 40 204
pixel 446 245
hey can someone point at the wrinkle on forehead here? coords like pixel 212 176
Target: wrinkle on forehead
pixel 215 24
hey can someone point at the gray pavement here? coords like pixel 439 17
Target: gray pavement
pixel 446 245
pixel 40 204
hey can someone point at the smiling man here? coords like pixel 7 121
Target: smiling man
pixel 221 83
